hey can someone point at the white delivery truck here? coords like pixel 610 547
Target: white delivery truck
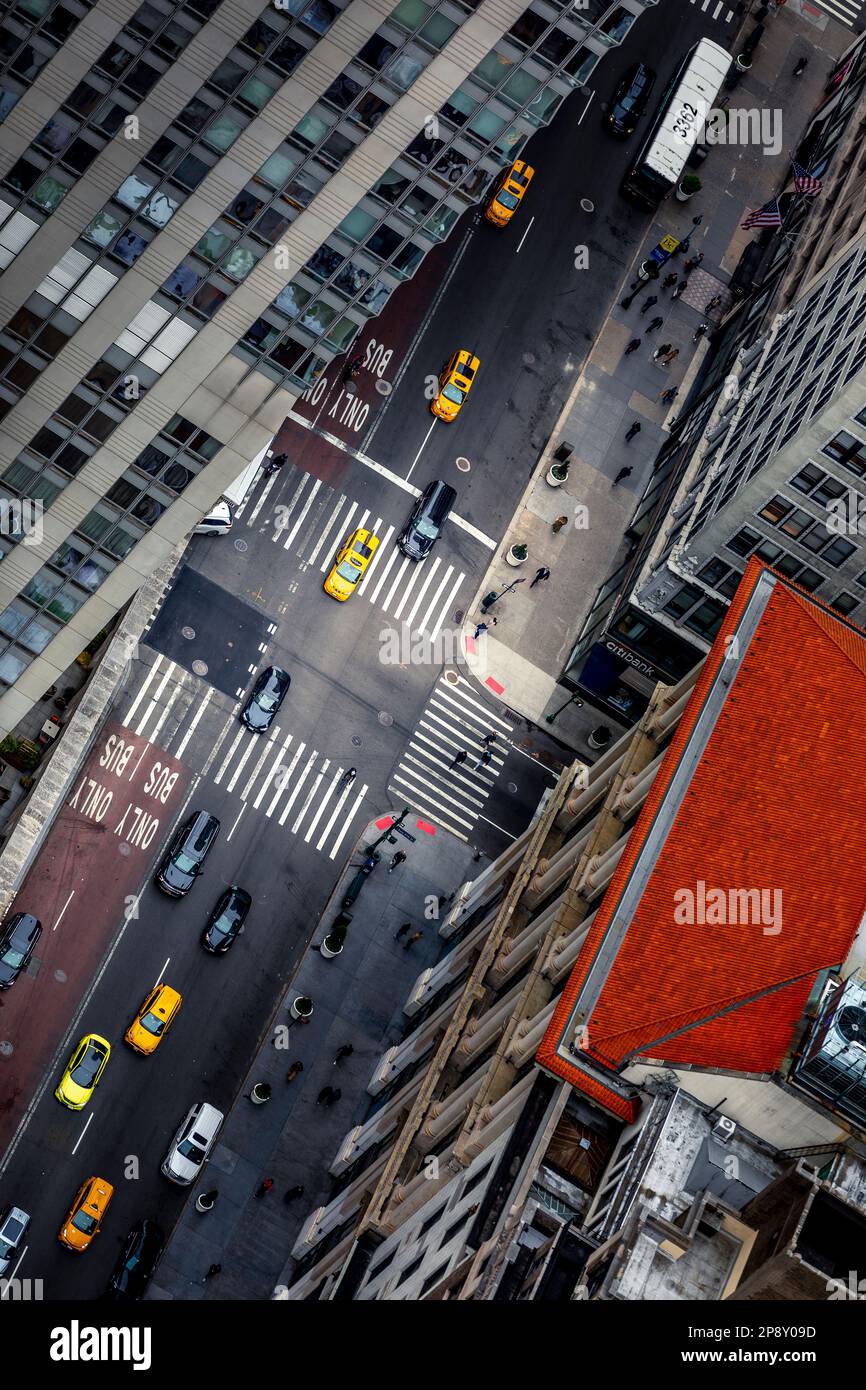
pixel 218 521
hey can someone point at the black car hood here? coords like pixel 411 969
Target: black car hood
pixel 257 718
pixel 174 877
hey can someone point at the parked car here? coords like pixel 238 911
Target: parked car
pixel 18 937
pixel 83 1071
pixel 191 1146
pixel 630 100
pixel 85 1216
pixel 13 1224
pixel 186 855
pixel 138 1259
pixel 426 520
pixel 265 699
pixel 226 922
pixel 217 522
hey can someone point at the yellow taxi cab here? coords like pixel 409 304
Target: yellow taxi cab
pixel 455 384
pixel 151 1023
pixel 508 193
pixel 83 1071
pixel 85 1216
pixel 351 563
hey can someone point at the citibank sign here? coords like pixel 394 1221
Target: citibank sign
pixel 625 655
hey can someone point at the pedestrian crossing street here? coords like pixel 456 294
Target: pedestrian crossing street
pixel 455 718
pixel 717 9
pixel 315 522
pixel 274 774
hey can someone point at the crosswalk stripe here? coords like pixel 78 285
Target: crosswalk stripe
pixel 265 490
pixel 307 505
pixel 214 752
pixel 406 594
pixel 176 690
pixel 194 722
pixel 440 812
pixel 384 575
pixel 269 748
pixel 466 718
pixel 338 806
pixel 310 794
pixel 431 570
pixel 344 531
pixel 439 784
pixel 307 769
pixel 286 508
pixel 456 743
pixel 716 10
pixel 383 541
pixel 468 693
pixel 386 602
pixel 311 559
pixel 338 772
pixel 435 599
pixel 228 757
pixel 446 607
pixel 156 696
pixel 143 689
pixel 285 779
pixel 272 772
pixel 252 743
pixel 347 822
pixel 440 767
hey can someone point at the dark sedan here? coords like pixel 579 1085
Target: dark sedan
pixel 267 695
pixel 17 940
pixel 138 1259
pixel 630 99
pixel 226 921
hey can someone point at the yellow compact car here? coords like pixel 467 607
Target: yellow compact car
pixel 351 563
pixel 455 384
pixel 508 193
pixel 153 1019
pixel 84 1217
pixel 83 1071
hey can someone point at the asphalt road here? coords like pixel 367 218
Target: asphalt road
pixel 255 597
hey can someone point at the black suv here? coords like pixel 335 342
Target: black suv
pixel 189 849
pixel 630 99
pixel 138 1259
pixel 265 699
pixel 426 520
pixel 17 939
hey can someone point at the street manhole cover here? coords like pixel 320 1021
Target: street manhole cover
pixel 188 633
pixel 200 668
pixel 356 740
pixel 463 464
pixel 124 850
pixel 452 677
pixel 241 545
pixel 587 204
pixel 512 787
pixel 386 718
pixel 6 1048
pixel 528 359
pixel 384 388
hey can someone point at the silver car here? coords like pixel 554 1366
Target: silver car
pixel 190 1149
pixel 13 1224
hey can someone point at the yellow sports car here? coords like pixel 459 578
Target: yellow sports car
pixel 454 385
pixel 82 1074
pixel 152 1021
pixel 508 193
pixel 84 1217
pixel 351 563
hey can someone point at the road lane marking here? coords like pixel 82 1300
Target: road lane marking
pixel 161 976
pixel 156 697
pixel 344 530
pixel 431 570
pixel 348 821
pixel 586 108
pixel 195 719
pixel 302 515
pixel 63 909
pixel 7 1280
pixel 434 633
pixel 82 1134
pixel 274 769
pixel 525 235
pixel 142 690
pixel 355 454
pixel 321 541
pixel 423 447
pixel 383 542
pixel 435 599
pixel 237 818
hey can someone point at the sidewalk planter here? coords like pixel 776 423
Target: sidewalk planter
pixel 688 187
pixel 516 555
pixel 600 737
pixel 557 474
pixel 744 61
pixel 648 271
pixel 261 1093
pixel 333 943
pixel 302 1007
pixel 205 1202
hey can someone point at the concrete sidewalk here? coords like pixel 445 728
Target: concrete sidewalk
pixel 358 999
pixel 528 648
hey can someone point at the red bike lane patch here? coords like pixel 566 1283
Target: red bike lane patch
pixel 83 881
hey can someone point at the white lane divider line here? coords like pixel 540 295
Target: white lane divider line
pixel 63 909
pixel 82 1134
pixel 525 235
pixel 237 819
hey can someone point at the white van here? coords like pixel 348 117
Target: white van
pixel 220 518
pixel 190 1148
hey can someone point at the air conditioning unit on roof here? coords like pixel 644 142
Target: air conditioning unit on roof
pixel 724 1129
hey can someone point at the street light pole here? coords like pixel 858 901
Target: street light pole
pixel 387 834
pixel 572 700
pixel 488 601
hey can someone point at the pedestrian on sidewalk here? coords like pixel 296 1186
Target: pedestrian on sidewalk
pixel 670 280
pixel 671 356
pixel 650 300
pixel 670 394
pixel 622 474
pixel 558 524
pixel 479 628
pixel 661 350
pixel 484 760
pixel 294 1070
pixel 700 331
pixel 416 936
pixel 654 324
pixel 328 1095
pixel 458 759
pixel 401 931
pixel 632 347
pixel 802 64
pixel 540 576
pixel 213 1271
pixel 293 1192
pixel 712 304
pixel 630 433
pixel 398 859
pixel 343 1052
pixel 680 289
pixel 264 1187
pixel 694 261
pixel 477 856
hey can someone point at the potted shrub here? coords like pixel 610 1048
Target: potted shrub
pixel 649 270
pixel 302 1007
pixel 689 185
pixel 206 1201
pixel 744 61
pixel 557 474
pixel 333 942
pixel 516 554
pixel 260 1093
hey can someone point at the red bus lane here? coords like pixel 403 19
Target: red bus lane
pixel 82 886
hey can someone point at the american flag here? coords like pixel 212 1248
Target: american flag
pixel 803 180
pixel 767 216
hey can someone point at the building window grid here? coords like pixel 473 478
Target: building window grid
pixel 36 25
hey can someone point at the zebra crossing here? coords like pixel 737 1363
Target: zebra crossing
pixel 454 719
pixel 276 774
pixel 716 6
pixel 845 12
pixel 317 519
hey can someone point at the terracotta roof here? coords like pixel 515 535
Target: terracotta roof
pixel 774 801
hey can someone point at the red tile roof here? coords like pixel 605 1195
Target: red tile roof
pixel 776 802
